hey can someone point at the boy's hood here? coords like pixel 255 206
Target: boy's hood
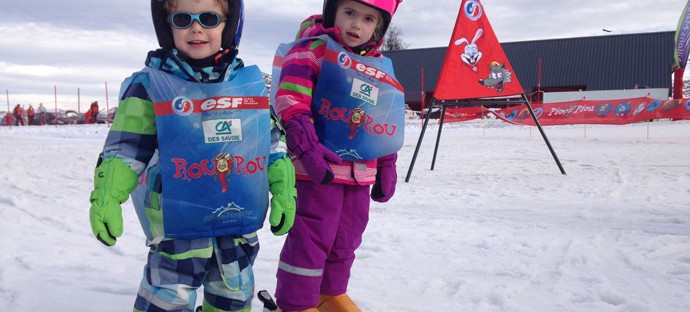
pixel 313 26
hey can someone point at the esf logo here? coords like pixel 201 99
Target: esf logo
pixel 370 71
pixel 221 103
pixel 344 60
pixel 473 10
pixel 182 106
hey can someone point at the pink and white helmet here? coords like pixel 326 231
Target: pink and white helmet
pixel 387 8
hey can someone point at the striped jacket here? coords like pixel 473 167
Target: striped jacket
pixel 298 79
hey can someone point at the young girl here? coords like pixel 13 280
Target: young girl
pixel 192 142
pixel 343 113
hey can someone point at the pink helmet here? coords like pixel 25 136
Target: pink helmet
pixel 387 8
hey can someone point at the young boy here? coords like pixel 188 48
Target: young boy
pixel 343 113
pixel 193 142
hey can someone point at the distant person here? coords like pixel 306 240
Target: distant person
pixel 41 114
pixel 195 103
pixel 30 113
pixel 18 115
pixel 87 116
pixel 93 112
pixel 8 119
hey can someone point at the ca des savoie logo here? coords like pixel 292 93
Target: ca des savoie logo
pixel 364 92
pixel 222 130
pixel 224 127
pixel 473 10
pixel 182 106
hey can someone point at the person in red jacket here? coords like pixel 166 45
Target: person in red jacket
pixel 18 115
pixel 93 112
pixel 8 119
pixel 30 113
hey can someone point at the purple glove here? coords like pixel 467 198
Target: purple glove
pixel 303 142
pixel 386 178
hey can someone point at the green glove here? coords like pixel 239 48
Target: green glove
pixel 281 180
pixel 113 180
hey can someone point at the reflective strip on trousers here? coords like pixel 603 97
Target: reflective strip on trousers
pixel 150 297
pixel 299 271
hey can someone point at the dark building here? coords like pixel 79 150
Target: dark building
pixel 611 62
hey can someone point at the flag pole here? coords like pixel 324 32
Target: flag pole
pixel 107 108
pixel 56 110
pixel 7 94
pixel 678 83
pixel 484 121
pixel 421 111
pixel 539 99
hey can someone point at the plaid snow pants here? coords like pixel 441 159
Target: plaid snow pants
pixel 177 268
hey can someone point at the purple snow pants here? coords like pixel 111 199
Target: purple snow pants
pixel 320 248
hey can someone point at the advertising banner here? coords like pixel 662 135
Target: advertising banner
pixel 612 112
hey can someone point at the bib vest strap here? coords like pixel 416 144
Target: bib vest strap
pixel 213 144
pixel 358 105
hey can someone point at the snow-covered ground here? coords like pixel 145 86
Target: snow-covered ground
pixel 495 227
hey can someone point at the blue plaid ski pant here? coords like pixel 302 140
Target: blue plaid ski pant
pixel 176 268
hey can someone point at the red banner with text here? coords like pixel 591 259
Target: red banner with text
pixel 614 112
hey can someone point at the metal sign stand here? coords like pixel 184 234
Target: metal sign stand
pixel 467 103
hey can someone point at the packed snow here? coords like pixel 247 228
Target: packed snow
pixel 494 227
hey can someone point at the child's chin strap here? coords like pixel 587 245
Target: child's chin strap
pixel 361 52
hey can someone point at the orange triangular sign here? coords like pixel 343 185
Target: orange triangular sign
pixel 475 65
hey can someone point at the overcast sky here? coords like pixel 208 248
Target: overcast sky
pixel 77 44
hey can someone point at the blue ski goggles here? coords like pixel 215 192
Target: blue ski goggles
pixel 207 19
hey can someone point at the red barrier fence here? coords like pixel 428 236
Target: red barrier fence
pixel 614 112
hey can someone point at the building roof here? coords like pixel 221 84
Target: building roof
pixel 610 62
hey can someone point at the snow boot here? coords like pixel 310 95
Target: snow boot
pixel 337 303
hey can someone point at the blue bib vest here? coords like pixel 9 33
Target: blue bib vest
pixel 358 106
pixel 213 145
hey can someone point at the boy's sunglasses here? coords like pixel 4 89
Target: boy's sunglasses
pixel 207 19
